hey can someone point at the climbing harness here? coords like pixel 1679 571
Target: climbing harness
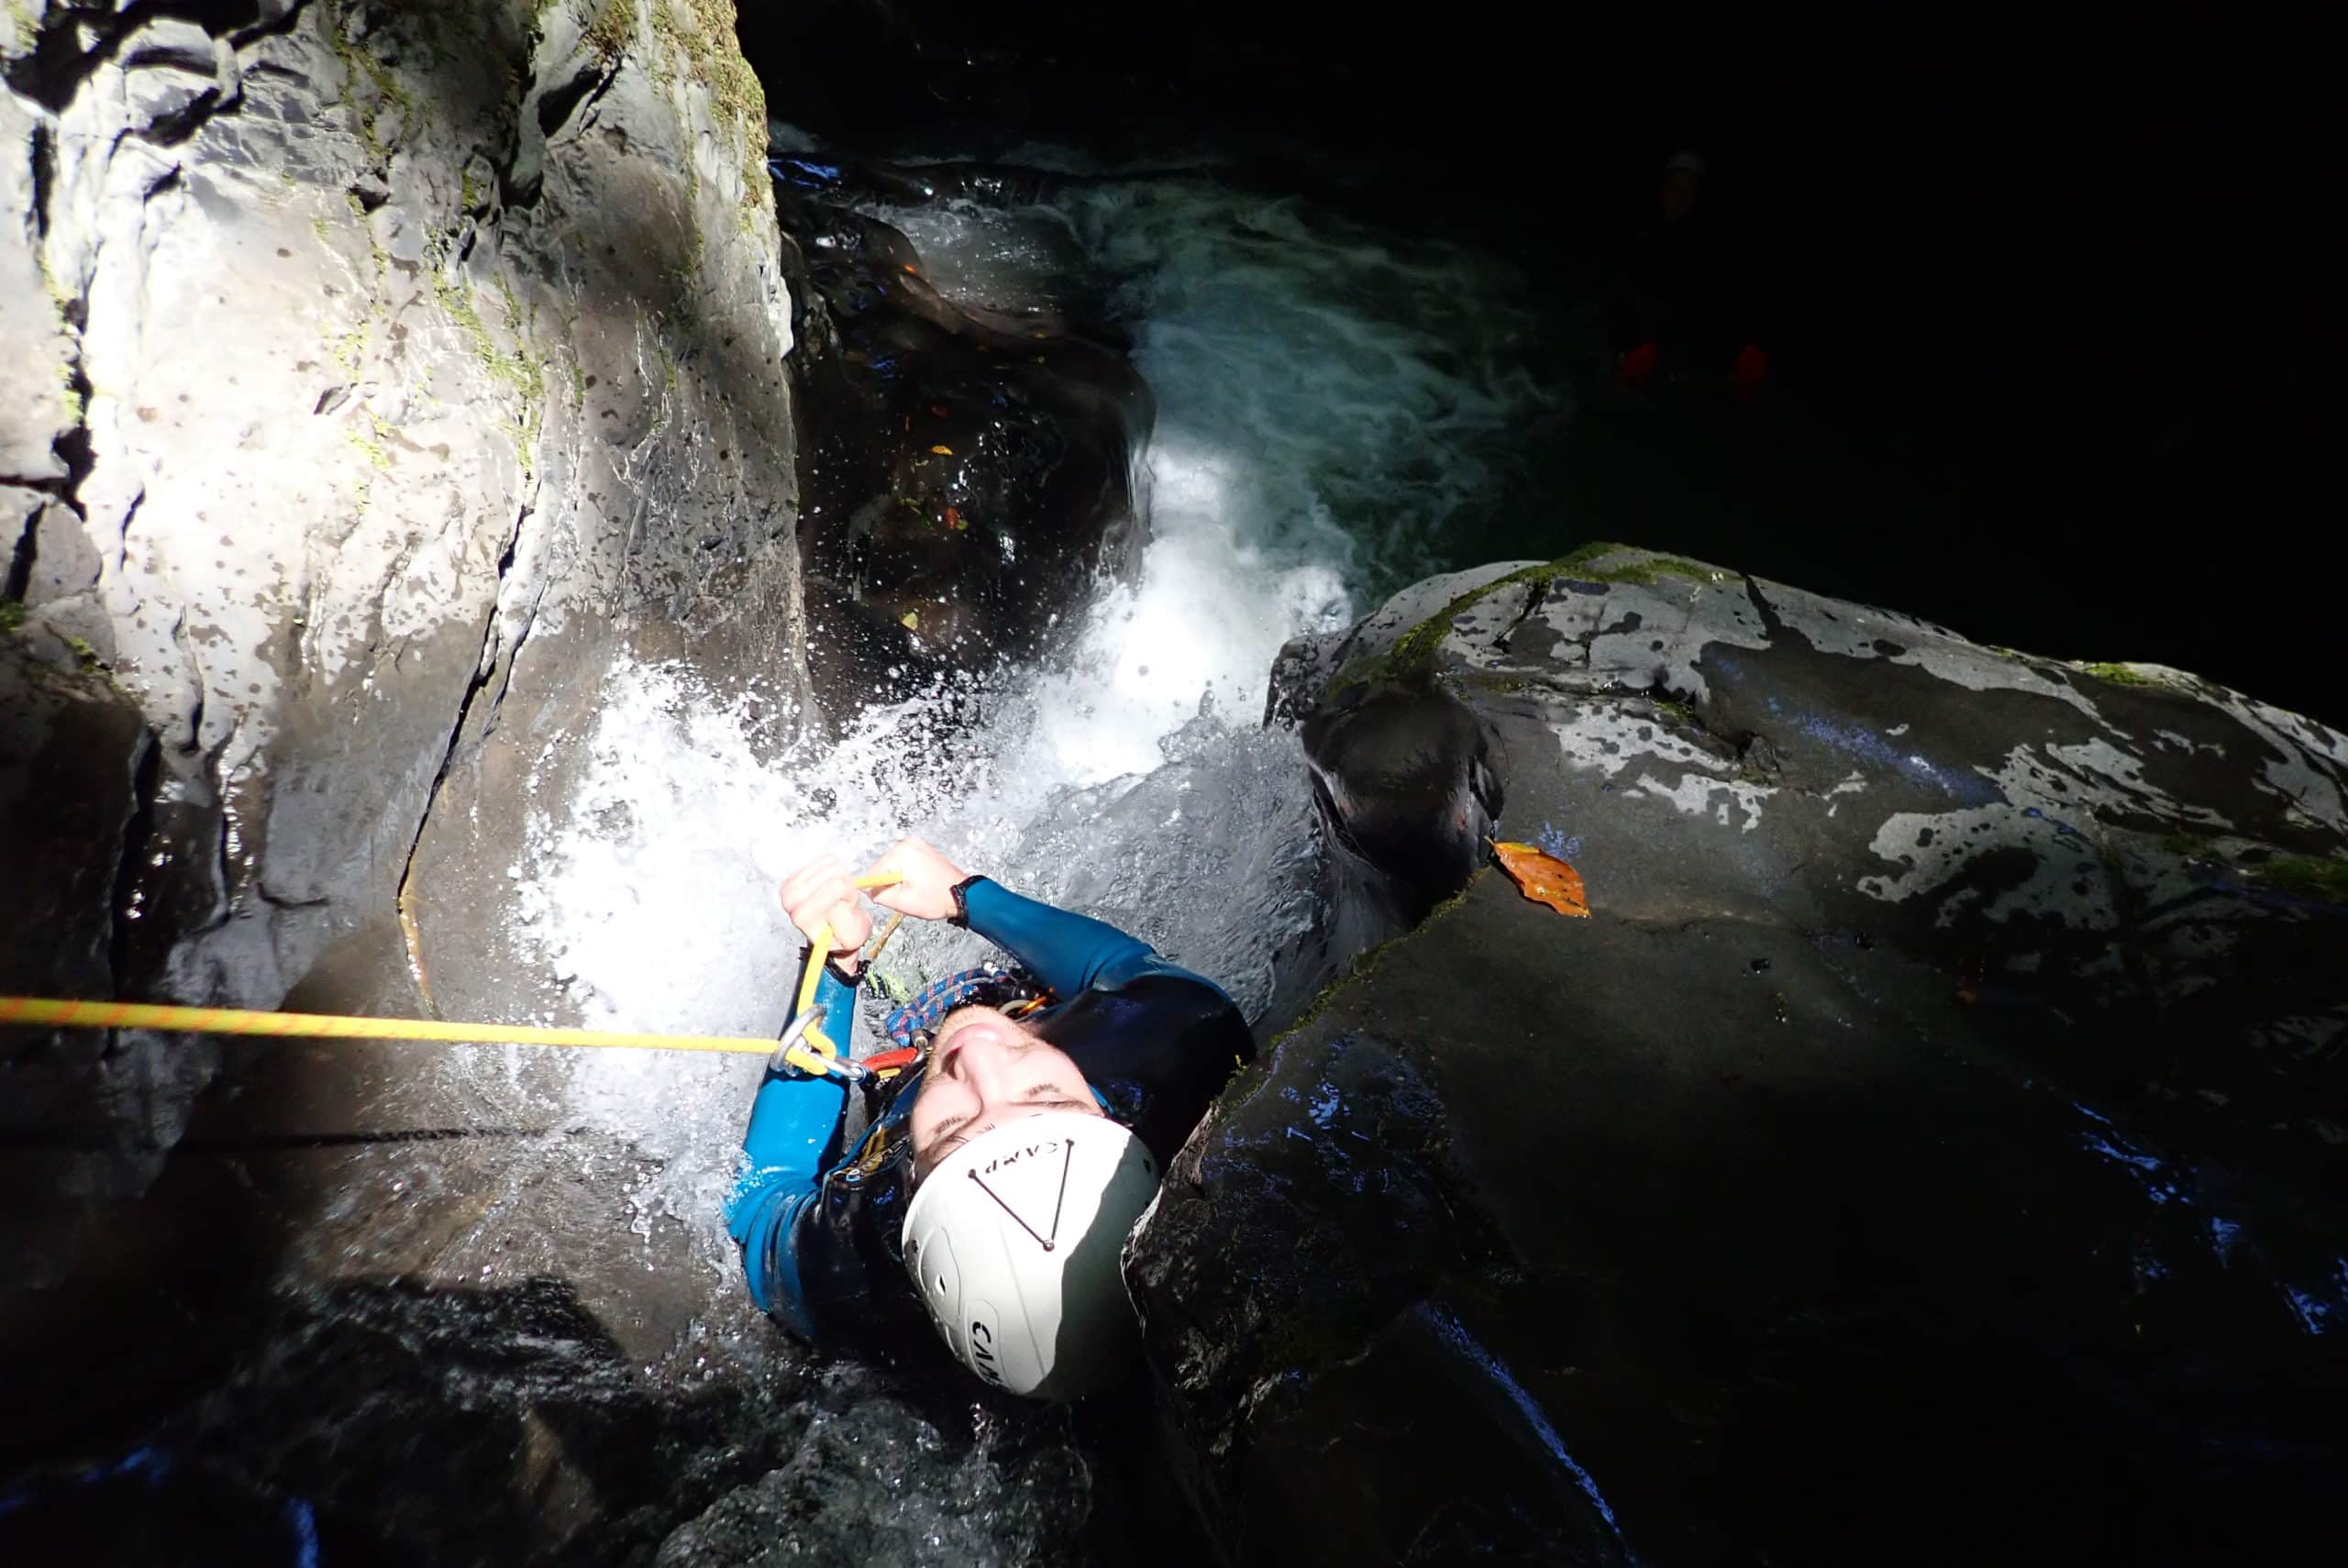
pixel 1009 989
pixel 802 1044
pixel 1013 992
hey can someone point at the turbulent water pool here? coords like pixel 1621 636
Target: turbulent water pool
pixel 1330 404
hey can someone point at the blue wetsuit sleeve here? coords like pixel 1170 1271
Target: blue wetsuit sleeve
pixel 1069 952
pixel 792 1121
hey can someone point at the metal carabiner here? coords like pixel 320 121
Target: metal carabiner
pixel 808 1059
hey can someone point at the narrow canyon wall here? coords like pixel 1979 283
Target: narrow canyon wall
pixel 372 378
pixel 374 373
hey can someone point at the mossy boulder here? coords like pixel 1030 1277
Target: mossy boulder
pixel 1944 1096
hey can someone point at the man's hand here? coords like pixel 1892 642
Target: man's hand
pixel 927 890
pixel 820 893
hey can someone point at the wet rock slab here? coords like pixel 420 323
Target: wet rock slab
pixel 1932 1141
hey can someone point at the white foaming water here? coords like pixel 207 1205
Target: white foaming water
pixel 1352 397
pixel 1328 404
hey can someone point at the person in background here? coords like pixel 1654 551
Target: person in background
pixel 1033 1108
pixel 1684 308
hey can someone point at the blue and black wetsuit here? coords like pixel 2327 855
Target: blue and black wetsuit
pixel 819 1216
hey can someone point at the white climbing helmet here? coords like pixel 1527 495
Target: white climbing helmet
pixel 1014 1243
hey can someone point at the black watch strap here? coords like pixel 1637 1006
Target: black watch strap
pixel 961 915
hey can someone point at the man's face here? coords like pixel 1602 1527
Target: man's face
pixel 984 1072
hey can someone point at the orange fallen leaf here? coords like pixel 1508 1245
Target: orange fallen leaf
pixel 943 451
pixel 1543 878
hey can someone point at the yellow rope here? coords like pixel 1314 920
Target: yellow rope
pixel 328 1026
pixel 58 1014
pixel 819 947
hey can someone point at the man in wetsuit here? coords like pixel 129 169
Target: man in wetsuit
pixel 1002 1170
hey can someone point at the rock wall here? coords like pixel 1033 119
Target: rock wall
pixel 1934 1135
pixel 374 373
pixel 371 377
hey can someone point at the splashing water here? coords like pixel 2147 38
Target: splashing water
pixel 1330 402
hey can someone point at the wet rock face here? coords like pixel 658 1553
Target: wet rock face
pixel 71 750
pixel 970 468
pixel 375 374
pixel 1407 780
pixel 75 761
pixel 1934 1135
pixel 371 377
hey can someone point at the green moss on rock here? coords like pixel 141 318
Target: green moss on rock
pixel 2309 876
pixel 59 296
pixel 610 29
pixel 1676 712
pixel 2323 876
pixel 370 447
pixel 24 28
pixel 700 34
pixel 359 63
pixel 1647 570
pixel 515 367
pixel 2149 676
pixel 1413 652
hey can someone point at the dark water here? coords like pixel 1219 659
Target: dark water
pixel 2047 336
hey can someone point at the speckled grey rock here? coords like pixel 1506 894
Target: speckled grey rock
pixel 1935 1134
